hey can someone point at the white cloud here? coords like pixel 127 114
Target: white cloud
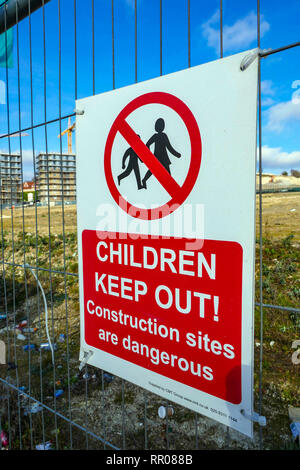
pixel 239 35
pixel 281 114
pixel 267 87
pixel 27 156
pixel 275 157
pixel 211 34
pixel 267 101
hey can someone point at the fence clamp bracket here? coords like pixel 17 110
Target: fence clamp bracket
pixel 86 356
pixel 79 112
pixel 249 58
pixel 255 417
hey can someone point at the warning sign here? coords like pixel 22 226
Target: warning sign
pixel 166 219
pixel 156 305
pixel 158 164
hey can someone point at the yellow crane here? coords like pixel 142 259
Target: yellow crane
pixel 68 131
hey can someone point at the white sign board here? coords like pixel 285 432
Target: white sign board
pixel 166 235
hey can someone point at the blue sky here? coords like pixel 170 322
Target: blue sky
pixel 280 72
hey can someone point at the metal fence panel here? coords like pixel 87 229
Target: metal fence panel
pixel 43 395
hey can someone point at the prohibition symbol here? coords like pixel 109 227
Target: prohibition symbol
pixel 178 194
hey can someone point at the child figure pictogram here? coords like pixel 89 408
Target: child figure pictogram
pixel 133 165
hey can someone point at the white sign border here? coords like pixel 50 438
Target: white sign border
pixel 117 366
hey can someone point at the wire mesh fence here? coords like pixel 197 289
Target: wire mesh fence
pixel 61 51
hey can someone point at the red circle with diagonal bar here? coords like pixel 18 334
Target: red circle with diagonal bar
pixel 177 193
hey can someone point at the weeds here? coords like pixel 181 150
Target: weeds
pixel 281 286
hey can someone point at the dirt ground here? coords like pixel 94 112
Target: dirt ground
pixel 278 180
pixel 39 219
pixel 185 429
pixel 280 217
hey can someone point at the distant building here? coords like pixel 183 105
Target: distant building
pixel 29 191
pixel 56 177
pixel 10 178
pixel 28 186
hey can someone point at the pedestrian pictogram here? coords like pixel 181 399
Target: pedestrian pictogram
pixel 162 145
pixel 157 162
pixel 133 164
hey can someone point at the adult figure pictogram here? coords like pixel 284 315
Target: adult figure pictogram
pixel 161 145
pixel 133 164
